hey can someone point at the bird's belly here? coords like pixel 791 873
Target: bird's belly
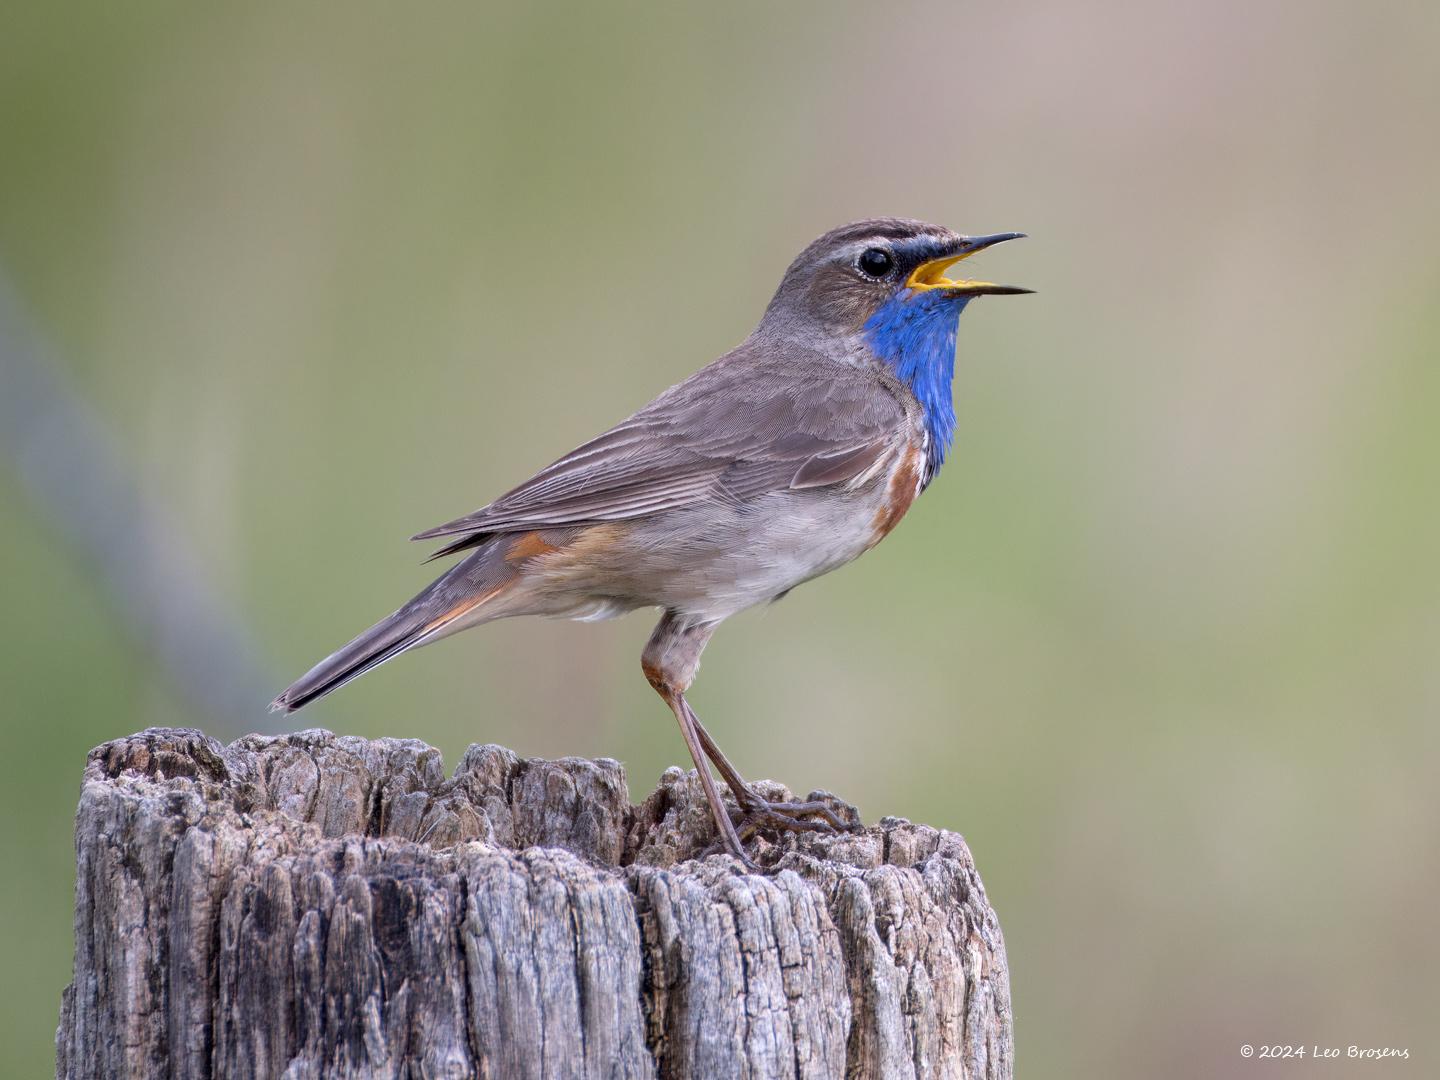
pixel 710 566
pixel 712 560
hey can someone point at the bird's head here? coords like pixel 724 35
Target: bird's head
pixel 879 289
pixel 854 273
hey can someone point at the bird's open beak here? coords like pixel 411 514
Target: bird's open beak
pixel 931 275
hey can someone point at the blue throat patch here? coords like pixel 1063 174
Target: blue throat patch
pixel 915 334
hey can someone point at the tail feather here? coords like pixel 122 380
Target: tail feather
pixel 426 618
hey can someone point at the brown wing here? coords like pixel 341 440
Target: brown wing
pixel 734 430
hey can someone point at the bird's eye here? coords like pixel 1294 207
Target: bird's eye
pixel 876 262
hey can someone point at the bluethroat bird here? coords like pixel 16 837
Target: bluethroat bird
pixel 789 456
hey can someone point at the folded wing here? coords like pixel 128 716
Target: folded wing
pixel 732 431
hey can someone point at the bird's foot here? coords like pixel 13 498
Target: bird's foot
pixel 821 813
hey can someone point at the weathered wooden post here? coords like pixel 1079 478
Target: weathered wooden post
pixel 320 906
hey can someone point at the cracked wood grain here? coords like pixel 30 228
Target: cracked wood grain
pixel 315 905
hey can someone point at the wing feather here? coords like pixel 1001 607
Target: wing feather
pixel 734 430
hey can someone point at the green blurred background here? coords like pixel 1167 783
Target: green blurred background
pixel 1162 640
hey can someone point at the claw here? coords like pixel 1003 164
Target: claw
pixel 810 815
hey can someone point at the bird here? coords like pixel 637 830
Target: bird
pixel 789 456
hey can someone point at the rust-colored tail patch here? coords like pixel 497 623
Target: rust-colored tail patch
pixel 527 546
pixel 465 606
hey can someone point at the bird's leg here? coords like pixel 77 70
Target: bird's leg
pixel 718 810
pixel 670 660
pixel 784 815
